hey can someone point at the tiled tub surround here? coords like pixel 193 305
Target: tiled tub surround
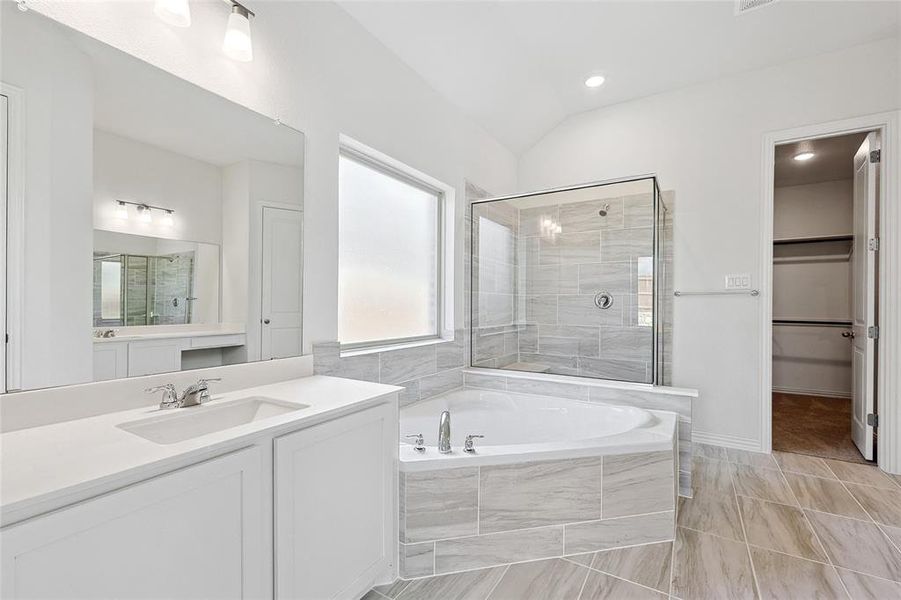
pixel 676 400
pixel 537 490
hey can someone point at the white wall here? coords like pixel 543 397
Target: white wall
pixel 318 70
pixel 58 109
pixel 812 360
pixel 126 169
pixel 705 142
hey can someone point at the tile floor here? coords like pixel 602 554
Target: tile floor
pixel 759 526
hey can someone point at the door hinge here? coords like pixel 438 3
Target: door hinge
pixel 875 156
pixel 873 420
pixel 873 332
pixel 873 244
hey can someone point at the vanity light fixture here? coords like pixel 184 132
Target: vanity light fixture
pixel 121 210
pixel 168 219
pixel 144 214
pixel 595 81
pixel 804 156
pixel 174 12
pixel 21 5
pixel 237 43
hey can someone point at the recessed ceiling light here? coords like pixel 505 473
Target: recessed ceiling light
pixel 594 81
pixel 804 156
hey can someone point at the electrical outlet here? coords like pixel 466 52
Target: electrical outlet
pixel 740 281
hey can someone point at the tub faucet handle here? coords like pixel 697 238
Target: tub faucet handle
pixel 469 445
pixel 418 442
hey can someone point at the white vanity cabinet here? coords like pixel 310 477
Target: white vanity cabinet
pixel 334 505
pixel 110 360
pixel 155 356
pixel 194 533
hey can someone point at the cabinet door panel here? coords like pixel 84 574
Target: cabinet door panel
pixel 193 533
pixel 149 358
pixel 334 509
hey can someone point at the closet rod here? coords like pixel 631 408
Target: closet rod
pixel 811 323
pixel 814 239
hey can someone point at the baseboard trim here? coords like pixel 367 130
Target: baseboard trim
pixel 809 392
pixel 727 441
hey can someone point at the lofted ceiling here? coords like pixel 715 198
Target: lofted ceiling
pixel 518 67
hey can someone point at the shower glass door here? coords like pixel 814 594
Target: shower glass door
pixel 565 281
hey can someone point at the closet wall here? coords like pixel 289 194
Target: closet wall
pixel 812 281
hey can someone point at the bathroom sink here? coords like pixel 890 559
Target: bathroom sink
pixel 183 424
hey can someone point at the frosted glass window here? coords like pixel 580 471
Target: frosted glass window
pixel 110 290
pixel 389 251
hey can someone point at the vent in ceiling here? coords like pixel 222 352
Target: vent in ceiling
pixel 743 6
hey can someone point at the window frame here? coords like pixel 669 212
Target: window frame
pixel 409 177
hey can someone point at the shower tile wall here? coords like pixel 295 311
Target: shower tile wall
pixel 566 254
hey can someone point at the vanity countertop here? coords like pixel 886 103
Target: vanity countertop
pixel 162 332
pixel 44 468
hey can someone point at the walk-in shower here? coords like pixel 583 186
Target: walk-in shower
pixel 574 281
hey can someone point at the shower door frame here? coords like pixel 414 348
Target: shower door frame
pixel 888 384
pixel 656 288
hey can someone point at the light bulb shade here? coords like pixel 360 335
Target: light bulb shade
pixel 144 214
pixel 237 44
pixel 168 219
pixel 122 211
pixel 173 12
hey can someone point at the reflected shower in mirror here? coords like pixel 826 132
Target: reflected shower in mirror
pixel 158 227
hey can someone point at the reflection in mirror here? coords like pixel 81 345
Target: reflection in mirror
pixel 154 227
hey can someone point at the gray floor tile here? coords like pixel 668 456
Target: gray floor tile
pixel 781 576
pixel 392 590
pixel 599 586
pixel 766 484
pixel 471 585
pixel 883 505
pixel 647 565
pixel 711 512
pixel 867 587
pixel 779 527
pixel 825 495
pixel 553 579
pixel 753 459
pixel 806 465
pixel 710 567
pixel 857 473
pixel 857 545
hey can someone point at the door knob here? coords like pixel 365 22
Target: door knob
pixel 848 334
pixel 265 321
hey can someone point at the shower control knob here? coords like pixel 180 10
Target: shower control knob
pixel 603 300
pixel 468 445
pixel 418 442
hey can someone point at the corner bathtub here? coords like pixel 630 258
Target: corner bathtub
pixel 552 477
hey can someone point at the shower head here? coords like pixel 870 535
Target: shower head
pixel 603 211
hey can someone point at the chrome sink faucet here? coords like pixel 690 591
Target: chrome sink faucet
pixel 444 445
pixel 195 395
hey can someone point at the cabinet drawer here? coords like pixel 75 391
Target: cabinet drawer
pixel 218 341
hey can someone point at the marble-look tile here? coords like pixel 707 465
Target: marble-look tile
pixel 648 565
pixel 488 344
pixel 539 493
pixel 712 475
pixel 541 309
pixel 651 400
pixel 806 465
pixel 710 567
pixel 639 211
pixel 487 550
pixel 552 579
pixel 441 504
pixel 524 385
pixel 753 459
pixel 409 394
pixel 571 248
pixel 416 560
pixel 583 216
pixel 471 585
pixel 615 533
pixel 616 246
pixel 779 527
pixel 364 367
pixel 613 277
pixel 568 339
pixel 766 484
pixel 857 545
pixel 484 382
pixel 599 586
pixel 711 512
pixel 579 309
pixel 494 309
pixel 629 343
pixel 781 576
pixel 451 354
pixel 893 534
pixel 530 219
pixel 392 590
pixel 867 587
pixel 551 279
pixel 638 484
pixel 641 242
pixel 883 505
pixel 826 495
pixel 709 452
pixel 442 382
pixel 373 595
pixel 857 473
pixel 408 363
pixel 618 370
pixel 550 363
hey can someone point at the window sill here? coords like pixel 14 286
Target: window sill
pixel 390 347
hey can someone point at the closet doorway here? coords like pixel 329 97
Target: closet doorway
pixel 824 290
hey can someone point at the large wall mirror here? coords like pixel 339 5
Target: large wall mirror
pixel 152 226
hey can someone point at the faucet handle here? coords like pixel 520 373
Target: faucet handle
pixel 418 443
pixel 170 395
pixel 469 445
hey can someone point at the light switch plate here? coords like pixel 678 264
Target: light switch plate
pixel 739 281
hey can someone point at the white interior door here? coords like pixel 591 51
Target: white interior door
pixel 4 167
pixel 863 295
pixel 282 300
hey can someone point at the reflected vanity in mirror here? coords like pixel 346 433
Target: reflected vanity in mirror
pixel 153 227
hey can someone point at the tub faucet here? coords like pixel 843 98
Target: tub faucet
pixel 444 445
